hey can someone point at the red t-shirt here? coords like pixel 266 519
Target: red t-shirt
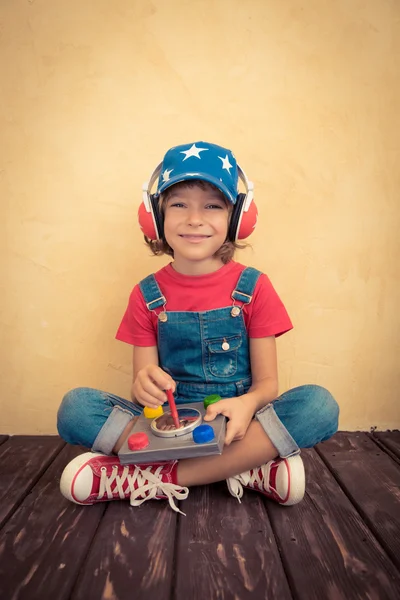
pixel 264 316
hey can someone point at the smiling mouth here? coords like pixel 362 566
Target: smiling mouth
pixel 194 237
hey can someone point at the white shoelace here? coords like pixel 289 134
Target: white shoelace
pixel 249 479
pixel 148 485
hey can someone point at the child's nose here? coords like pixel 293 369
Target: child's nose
pixel 194 217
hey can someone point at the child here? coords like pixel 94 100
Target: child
pixel 202 325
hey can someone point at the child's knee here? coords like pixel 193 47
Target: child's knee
pixel 322 407
pixel 71 414
pixel 71 404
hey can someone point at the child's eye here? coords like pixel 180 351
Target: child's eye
pixel 214 206
pixel 177 205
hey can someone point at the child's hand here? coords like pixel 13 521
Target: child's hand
pixel 147 389
pixel 239 412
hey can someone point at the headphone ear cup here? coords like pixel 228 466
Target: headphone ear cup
pixel 242 223
pixel 151 222
pixel 247 222
pixel 235 217
pixel 157 216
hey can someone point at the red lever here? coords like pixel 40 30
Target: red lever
pixel 172 406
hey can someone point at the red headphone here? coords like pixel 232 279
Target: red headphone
pixel 243 218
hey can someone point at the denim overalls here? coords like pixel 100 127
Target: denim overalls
pixel 205 353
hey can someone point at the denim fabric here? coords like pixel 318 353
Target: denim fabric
pixel 205 353
pixel 299 418
pixel 94 419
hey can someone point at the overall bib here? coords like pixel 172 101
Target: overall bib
pixel 204 352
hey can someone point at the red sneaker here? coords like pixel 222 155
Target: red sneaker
pixel 94 477
pixel 282 480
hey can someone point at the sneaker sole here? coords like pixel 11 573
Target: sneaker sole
pixel 70 474
pixel 297 481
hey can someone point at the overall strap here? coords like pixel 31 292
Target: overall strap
pixel 245 286
pixel 151 292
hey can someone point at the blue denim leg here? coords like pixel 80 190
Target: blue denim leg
pixel 300 418
pixel 94 419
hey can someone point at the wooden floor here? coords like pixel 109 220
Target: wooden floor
pixel 341 542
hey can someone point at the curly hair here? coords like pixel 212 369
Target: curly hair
pixel 159 247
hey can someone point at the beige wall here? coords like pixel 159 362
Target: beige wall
pixel 92 94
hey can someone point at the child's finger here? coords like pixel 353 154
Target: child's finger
pixel 149 388
pixel 149 400
pixel 231 431
pixel 215 409
pixel 162 380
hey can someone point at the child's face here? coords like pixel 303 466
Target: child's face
pixel 195 224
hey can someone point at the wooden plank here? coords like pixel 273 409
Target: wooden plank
pixel 23 459
pixel 372 481
pixel 44 542
pixel 132 554
pixel 389 439
pixel 326 548
pixel 227 550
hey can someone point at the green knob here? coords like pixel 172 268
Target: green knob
pixel 211 399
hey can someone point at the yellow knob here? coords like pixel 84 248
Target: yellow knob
pixel 152 413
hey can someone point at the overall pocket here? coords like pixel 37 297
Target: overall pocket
pixel 223 362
